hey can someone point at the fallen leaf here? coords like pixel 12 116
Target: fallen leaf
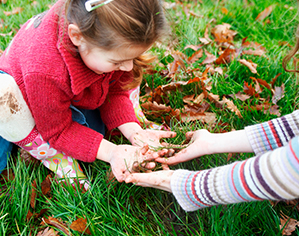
pixel 251 66
pixel 207 117
pixel 274 80
pixel 209 59
pixel 38 215
pixel 80 226
pixel 15 11
pixel 231 106
pixel 195 56
pixel 257 87
pixel 239 95
pixel 255 48
pixel 46 185
pixel 274 110
pixel 226 57
pixel 7 34
pixel 222 33
pixel 264 13
pixel 219 70
pixel 33 194
pixel 47 232
pixel 57 224
pixel 249 90
pixel 278 94
pixel 205 41
pixel 29 215
pixel 288 224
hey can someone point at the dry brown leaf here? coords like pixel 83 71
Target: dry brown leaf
pixel 251 66
pixel 207 117
pixel 195 56
pixel 239 95
pixel 264 83
pixel 38 215
pixel 209 59
pixel 29 215
pixel 33 194
pixel 3 1
pixel 257 86
pixel 192 13
pixel 154 107
pixel 294 203
pixel 231 106
pixel 80 225
pixel 56 223
pixel 194 47
pixel 47 232
pixel 15 11
pixel 274 110
pixel 222 33
pixel 278 94
pixel 226 57
pixel 288 224
pixel 255 48
pixel 219 70
pixel 199 98
pixel 264 13
pixel 249 90
pixel 188 99
pixel 205 41
pixel 46 185
pixel 274 80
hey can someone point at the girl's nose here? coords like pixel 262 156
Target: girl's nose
pixel 126 66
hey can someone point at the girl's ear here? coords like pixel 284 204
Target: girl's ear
pixel 75 34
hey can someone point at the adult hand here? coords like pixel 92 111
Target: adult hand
pixel 157 179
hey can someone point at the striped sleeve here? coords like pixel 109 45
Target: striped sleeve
pixel 274 133
pixel 273 175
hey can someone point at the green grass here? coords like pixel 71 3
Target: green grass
pixel 120 209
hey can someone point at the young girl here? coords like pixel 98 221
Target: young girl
pixel 74 65
pixel 272 174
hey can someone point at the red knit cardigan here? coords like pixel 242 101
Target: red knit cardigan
pixel 52 76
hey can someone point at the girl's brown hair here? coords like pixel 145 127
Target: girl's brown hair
pixel 120 23
pixel 292 53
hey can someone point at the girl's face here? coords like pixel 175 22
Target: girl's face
pixel 101 61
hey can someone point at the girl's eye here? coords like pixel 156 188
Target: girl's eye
pixel 117 64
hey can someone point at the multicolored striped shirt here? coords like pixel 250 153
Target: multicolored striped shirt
pixel 272 174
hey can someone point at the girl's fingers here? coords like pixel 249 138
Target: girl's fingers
pixel 149 165
pixel 166 134
pixel 144 149
pixel 165 167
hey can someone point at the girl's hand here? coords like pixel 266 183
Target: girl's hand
pixel 158 179
pixel 123 157
pixel 150 137
pixel 199 145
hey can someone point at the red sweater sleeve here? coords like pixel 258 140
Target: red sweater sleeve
pixel 49 103
pixel 118 108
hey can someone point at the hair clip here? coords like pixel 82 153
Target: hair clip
pixel 90 5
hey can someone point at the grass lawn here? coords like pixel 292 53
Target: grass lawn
pixel 120 209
